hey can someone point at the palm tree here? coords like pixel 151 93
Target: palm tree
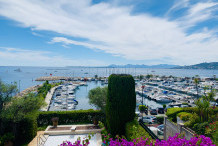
pixel 196 82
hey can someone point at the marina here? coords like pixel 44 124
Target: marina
pixel 72 96
pixel 159 89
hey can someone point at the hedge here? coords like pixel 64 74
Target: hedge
pixel 26 129
pixel 69 117
pixel 134 131
pixel 172 112
pixel 184 116
pixel 121 103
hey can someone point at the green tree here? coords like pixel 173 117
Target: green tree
pixel 98 96
pixel 203 105
pixel 6 92
pixel 148 76
pixel 196 82
pixel 19 108
pixel 121 103
pixel 43 90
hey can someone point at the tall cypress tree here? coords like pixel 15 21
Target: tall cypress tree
pixel 121 103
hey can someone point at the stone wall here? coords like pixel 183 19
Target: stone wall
pixel 170 129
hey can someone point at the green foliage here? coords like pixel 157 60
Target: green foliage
pixel 184 116
pixel 140 77
pixel 200 128
pixel 164 106
pixel 20 114
pixel 44 89
pixel 185 103
pixel 19 107
pixel 104 134
pixel 121 103
pixel 148 76
pixel 6 92
pixel 24 130
pixel 134 131
pixel 142 108
pixel 6 137
pixel 27 129
pixel 203 108
pixel 193 120
pixel 98 96
pixel 69 117
pixel 172 112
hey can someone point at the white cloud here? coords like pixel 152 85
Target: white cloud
pixel 178 4
pixel 198 13
pixel 23 57
pixel 115 30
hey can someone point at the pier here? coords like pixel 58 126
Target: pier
pixel 48 99
pixel 53 78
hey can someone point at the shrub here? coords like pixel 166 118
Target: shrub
pixel 69 117
pixel 27 129
pixel 185 103
pixel 121 103
pixel 134 130
pixel 176 140
pixel 200 128
pixel 194 119
pixel 184 116
pixel 172 112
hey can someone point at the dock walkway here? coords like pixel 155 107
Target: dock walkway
pixel 48 98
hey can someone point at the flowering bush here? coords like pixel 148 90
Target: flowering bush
pixel 211 128
pixel 177 140
pixel 79 142
pixel 181 141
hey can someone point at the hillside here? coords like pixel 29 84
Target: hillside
pixel 163 66
pixel 211 65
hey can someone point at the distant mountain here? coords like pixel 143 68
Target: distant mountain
pixel 211 65
pixel 166 66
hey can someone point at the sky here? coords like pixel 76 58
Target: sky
pixel 104 32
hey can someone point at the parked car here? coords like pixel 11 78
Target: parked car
pixel 160 127
pixel 149 119
pixel 153 112
pixel 160 110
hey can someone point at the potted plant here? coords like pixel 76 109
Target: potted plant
pixel 55 121
pixel 95 120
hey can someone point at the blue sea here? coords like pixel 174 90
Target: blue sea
pixel 27 76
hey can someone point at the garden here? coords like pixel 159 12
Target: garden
pixel 202 119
